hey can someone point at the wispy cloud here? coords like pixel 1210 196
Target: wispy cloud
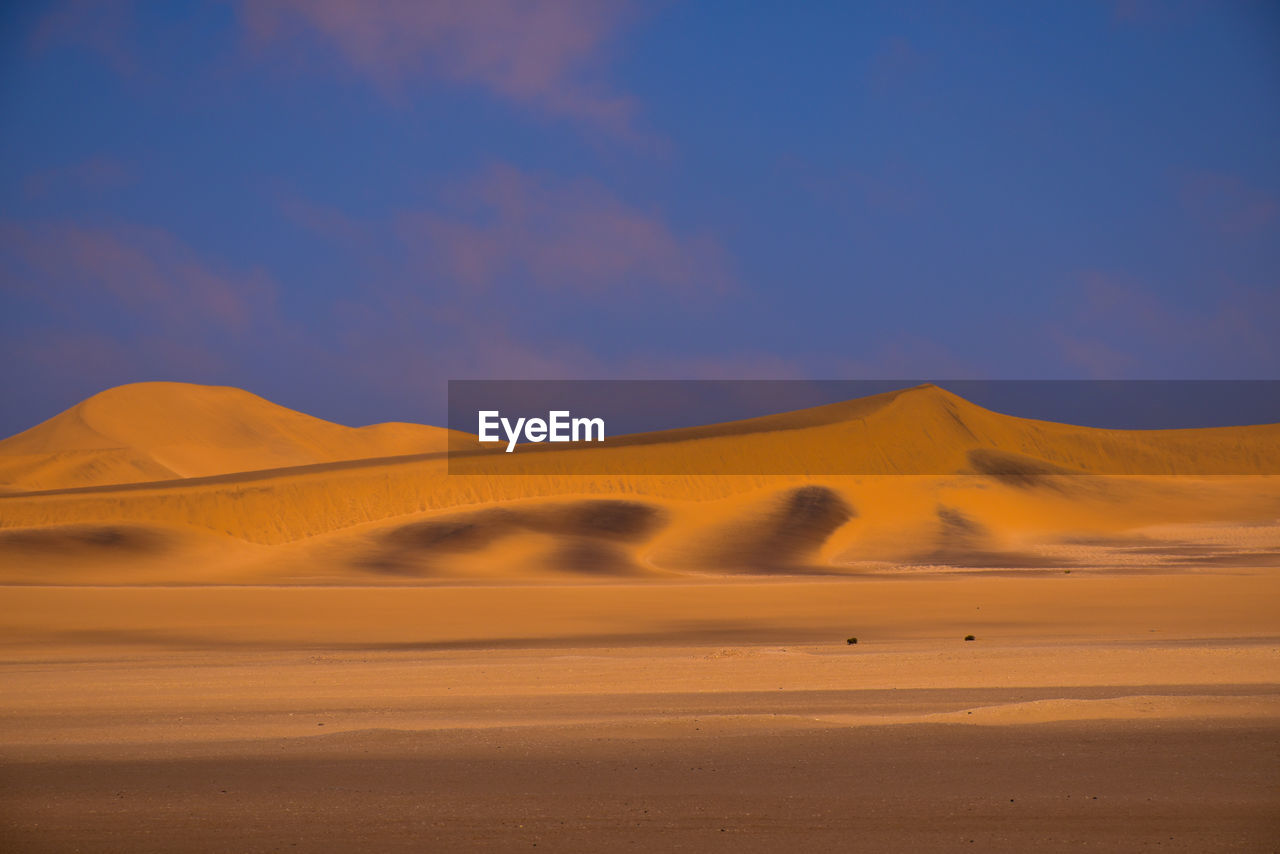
pixel 1227 204
pixel 93 306
pixel 550 57
pixel 544 54
pixel 1120 328
pixel 571 236
pixel 144 270
pixel 104 27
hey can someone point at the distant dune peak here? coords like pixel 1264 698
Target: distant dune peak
pixel 158 430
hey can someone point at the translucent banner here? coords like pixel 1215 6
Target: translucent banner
pixel 1005 428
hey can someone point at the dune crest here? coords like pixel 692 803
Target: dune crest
pixel 163 430
pixel 924 430
pixel 222 479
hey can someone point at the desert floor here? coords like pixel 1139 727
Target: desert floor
pixel 1096 710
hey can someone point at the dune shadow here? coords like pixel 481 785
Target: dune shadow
pixel 588 536
pixel 783 538
pixel 963 542
pixel 1017 469
pixel 86 540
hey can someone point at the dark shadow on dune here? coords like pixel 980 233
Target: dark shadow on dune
pixel 964 542
pixel 1031 473
pixel 623 521
pixel 87 540
pixel 458 534
pixel 782 539
pixel 590 536
pixel 1016 469
pixel 588 556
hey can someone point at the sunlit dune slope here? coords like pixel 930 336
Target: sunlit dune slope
pixel 158 431
pixel 1007 495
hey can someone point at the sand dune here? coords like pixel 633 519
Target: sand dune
pixel 1012 499
pixel 923 430
pixel 158 431
pixel 348 630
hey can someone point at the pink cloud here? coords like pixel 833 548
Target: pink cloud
pixel 1226 204
pixel 541 53
pixel 563 236
pixel 102 26
pixel 146 270
pixel 1120 328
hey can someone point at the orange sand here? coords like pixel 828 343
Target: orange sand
pixel 348 649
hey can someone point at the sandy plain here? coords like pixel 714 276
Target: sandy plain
pixel 1099 710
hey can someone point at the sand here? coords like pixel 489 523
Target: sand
pixel 361 652
pixel 1112 711
pixel 160 431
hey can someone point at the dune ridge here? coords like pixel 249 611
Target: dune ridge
pixel 162 430
pixel 336 503
pixel 919 430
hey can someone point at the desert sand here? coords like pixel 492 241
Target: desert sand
pixel 232 627
pixel 158 431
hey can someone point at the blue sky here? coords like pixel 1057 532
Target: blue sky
pixel 340 206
